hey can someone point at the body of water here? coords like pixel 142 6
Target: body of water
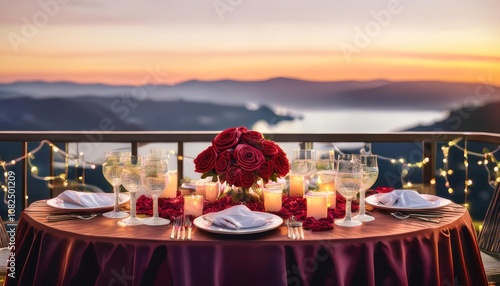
pixel 354 120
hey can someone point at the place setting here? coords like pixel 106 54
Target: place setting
pixel 405 204
pixel 238 220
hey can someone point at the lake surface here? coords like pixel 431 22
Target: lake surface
pixel 313 121
pixel 355 120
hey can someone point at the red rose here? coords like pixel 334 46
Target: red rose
pixel 247 179
pixel 223 161
pixel 205 161
pixel 281 164
pixel 251 137
pixel 248 157
pixel 241 129
pixel 269 148
pixel 226 139
pixel 233 176
pixel 265 170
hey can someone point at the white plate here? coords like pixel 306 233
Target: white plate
pixel 189 186
pixel 373 200
pixel 60 204
pixel 274 221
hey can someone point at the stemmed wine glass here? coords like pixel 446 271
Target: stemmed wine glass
pixel 112 169
pixel 348 183
pixel 326 168
pixel 154 178
pixel 131 180
pixel 370 175
pixel 303 162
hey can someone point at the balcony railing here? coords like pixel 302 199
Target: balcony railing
pixel 426 144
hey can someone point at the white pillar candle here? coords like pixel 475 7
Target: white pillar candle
pixel 272 199
pixel 170 190
pixel 317 205
pixel 211 191
pixel 193 205
pixel 296 185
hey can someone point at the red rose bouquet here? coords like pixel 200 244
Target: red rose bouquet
pixel 241 157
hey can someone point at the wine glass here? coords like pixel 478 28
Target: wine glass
pixel 370 175
pixel 303 162
pixel 112 169
pixel 348 182
pixel 325 170
pixel 154 178
pixel 131 181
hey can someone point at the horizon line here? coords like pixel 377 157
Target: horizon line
pixel 241 81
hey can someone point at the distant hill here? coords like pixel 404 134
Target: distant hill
pixel 113 113
pixel 278 92
pixel 469 118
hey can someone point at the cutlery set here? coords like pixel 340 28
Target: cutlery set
pixel 430 217
pixel 295 230
pixel 181 229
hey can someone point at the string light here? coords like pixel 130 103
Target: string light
pixel 405 167
pixel 487 158
pixel 34 170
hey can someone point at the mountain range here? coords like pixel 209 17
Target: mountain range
pixel 197 105
pixel 287 93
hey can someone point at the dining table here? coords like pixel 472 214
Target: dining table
pixel 386 251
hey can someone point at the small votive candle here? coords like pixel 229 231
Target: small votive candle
pixel 200 188
pixel 211 191
pixel 272 199
pixel 326 181
pixel 317 205
pixel 170 190
pixel 331 200
pixel 296 185
pixel 193 205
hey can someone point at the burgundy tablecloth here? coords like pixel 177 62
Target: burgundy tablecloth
pixel 386 251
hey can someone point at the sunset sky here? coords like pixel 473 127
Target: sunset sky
pixel 120 42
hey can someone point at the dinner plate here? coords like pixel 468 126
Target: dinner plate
pixel 60 204
pixel 273 221
pixel 189 186
pixel 373 201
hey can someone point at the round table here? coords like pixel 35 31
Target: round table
pixel 386 251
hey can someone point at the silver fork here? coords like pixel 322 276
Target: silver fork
pixel 189 227
pixel 70 216
pixel 175 228
pixel 400 215
pixel 295 229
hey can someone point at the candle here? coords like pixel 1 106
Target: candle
pixel 200 188
pixel 317 205
pixel 276 186
pixel 193 205
pixel 331 200
pixel 170 190
pixel 296 185
pixel 272 199
pixel 326 181
pixel 211 191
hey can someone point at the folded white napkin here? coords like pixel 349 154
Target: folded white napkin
pixel 405 198
pixel 236 217
pixel 89 200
